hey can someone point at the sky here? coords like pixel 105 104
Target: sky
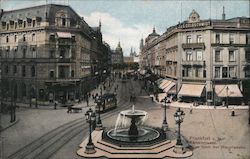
pixel 128 21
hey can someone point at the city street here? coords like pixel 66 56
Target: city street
pixel 212 133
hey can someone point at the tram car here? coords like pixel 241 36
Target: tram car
pixel 106 102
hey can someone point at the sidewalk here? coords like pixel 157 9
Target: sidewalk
pixel 188 105
pixel 5 122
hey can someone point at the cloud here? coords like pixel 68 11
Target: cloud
pixel 114 30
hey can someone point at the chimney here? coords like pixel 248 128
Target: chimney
pixel 223 14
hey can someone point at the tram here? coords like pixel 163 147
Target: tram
pixel 107 102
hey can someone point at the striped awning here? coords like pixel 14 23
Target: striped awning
pixel 164 84
pixel 231 90
pixel 171 85
pixel 191 90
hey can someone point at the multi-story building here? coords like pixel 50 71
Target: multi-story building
pixel 48 53
pixel 117 55
pixel 205 60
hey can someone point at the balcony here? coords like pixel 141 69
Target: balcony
pixel 64 60
pixel 194 63
pixel 193 46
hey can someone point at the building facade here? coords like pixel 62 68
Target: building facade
pixel 208 57
pixel 117 55
pixel 48 53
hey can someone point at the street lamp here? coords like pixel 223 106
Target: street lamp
pixel 90 117
pixel 179 116
pixel 99 122
pixel 165 123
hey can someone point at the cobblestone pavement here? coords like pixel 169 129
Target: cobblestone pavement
pixel 213 133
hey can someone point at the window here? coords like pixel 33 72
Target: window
pixel 199 55
pixel 52 37
pixel 62 54
pixel 224 72
pixel 15 51
pixel 14 69
pixel 247 55
pixel 24 38
pixel 7 26
pixel 217 72
pixel 204 73
pixel 6 69
pixel 33 71
pixel 248 39
pixel 51 73
pixel 231 38
pixel 15 38
pixel 189 71
pixel 7 39
pixel 217 38
pixel 52 54
pixel 24 53
pixel 247 72
pixel 33 23
pixel 33 52
pixel 24 24
pixel 63 21
pixel 23 71
pixel 189 39
pixel 231 56
pixel 7 51
pixel 72 73
pixel 217 56
pixel 198 72
pixel 15 25
pixel 33 37
pixel 189 56
pixel 199 39
pixel 232 72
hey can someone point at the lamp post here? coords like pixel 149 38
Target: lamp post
pixel 227 95
pixel 90 117
pixel 165 123
pixel 99 122
pixel 179 116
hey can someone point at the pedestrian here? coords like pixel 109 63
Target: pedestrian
pixel 55 105
pixel 233 113
pixel 191 109
pixel 87 100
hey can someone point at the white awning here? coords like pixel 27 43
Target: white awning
pixel 231 90
pixel 64 35
pixel 191 90
pixel 161 96
pixel 171 85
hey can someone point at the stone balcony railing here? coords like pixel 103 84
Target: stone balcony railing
pixel 193 46
pixel 193 63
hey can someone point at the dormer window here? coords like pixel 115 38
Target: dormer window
pixel 63 21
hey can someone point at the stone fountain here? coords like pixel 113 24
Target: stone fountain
pixel 130 138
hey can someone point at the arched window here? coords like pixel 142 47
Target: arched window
pixel 24 37
pixel 33 37
pixel 23 90
pixel 7 39
pixel 33 71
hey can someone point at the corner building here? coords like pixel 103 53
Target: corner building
pixel 204 61
pixel 48 53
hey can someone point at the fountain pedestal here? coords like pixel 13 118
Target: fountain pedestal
pixel 133 130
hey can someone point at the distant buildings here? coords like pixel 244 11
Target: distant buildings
pixel 117 55
pixel 202 60
pixel 49 53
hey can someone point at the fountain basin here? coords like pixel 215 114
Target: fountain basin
pixel 146 137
